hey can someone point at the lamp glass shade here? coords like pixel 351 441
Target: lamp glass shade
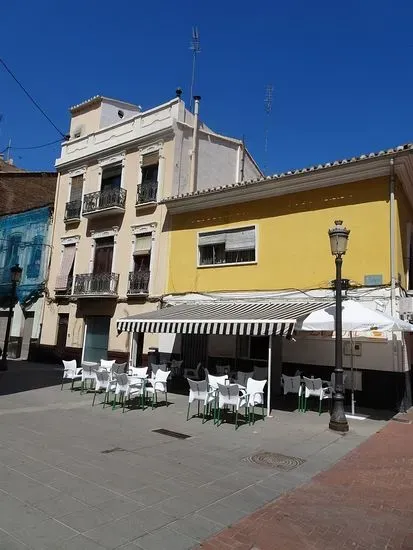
pixel 338 238
pixel 16 273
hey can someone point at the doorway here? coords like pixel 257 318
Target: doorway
pixel 62 326
pixel 97 338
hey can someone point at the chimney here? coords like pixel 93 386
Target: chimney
pixel 194 154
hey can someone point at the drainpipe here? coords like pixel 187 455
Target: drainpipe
pixel 194 155
pixel 392 241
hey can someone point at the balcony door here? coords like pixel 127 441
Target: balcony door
pixel 103 256
pixel 97 338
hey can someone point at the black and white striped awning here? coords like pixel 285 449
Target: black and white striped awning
pixel 219 317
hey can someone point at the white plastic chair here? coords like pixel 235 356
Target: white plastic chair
pixel 242 377
pixel 117 368
pixel 198 391
pixel 293 384
pixel 193 373
pixel 103 382
pixel 231 395
pixel 221 370
pixel 155 368
pixel 138 371
pixel 214 381
pixel 255 396
pixel 124 390
pixel 89 370
pixel 158 384
pixel 71 372
pixel 107 364
pixel 260 373
pixel 313 387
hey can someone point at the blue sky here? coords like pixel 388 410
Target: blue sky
pixel 341 71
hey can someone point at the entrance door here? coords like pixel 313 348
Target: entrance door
pixel 62 325
pixel 97 339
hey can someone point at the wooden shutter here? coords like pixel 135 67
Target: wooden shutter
pixel 143 245
pixel 67 264
pixel 150 159
pixel 243 239
pixel 76 188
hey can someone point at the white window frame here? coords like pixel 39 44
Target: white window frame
pixel 67 241
pixel 72 174
pixel 114 232
pixel 112 162
pixel 159 148
pixel 224 230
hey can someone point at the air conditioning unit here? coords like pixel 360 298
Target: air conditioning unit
pixel 406 307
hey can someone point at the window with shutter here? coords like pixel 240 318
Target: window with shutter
pixel 76 188
pixel 231 246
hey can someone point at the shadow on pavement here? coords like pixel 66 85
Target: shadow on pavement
pixel 23 376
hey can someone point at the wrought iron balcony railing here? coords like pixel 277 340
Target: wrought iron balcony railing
pixel 72 211
pixel 138 282
pixel 103 200
pixel 96 284
pixel 147 192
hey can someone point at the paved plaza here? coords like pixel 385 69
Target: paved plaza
pixel 77 477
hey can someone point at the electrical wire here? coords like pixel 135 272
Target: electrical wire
pixel 32 147
pixel 31 97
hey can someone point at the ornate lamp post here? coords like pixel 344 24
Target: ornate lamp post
pixel 338 243
pixel 15 277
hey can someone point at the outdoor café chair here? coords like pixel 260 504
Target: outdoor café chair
pixel 118 368
pixel 193 373
pixel 242 377
pixel 155 368
pixel 176 367
pixel 255 397
pixel 221 370
pixel 198 391
pixel 107 364
pixel 313 387
pixel 156 384
pixel 293 384
pixel 71 372
pixel 231 395
pixel 105 384
pixel 138 371
pixel 213 381
pixel 89 370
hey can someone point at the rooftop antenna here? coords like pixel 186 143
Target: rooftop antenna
pixel 196 48
pixel 268 109
pixel 8 151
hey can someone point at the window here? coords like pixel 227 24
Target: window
pixel 103 255
pixel 76 188
pixel 33 269
pixel 148 189
pixel 13 247
pixel 65 277
pixel 227 247
pixel 253 347
pixel 142 252
pixel 111 177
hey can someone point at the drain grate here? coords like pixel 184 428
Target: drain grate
pixel 177 435
pixel 274 460
pixel 114 450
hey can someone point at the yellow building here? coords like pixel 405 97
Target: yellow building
pixel 266 241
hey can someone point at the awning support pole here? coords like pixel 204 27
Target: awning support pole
pixel 269 376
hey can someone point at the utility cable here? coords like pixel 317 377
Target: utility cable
pixel 31 98
pixel 12 148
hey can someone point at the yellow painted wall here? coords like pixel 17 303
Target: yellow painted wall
pixel 404 217
pixel 293 245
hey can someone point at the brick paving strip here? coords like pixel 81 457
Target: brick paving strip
pixel 364 502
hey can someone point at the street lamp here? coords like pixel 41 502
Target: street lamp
pixel 338 243
pixel 15 277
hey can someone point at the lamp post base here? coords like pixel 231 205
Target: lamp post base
pixel 339 425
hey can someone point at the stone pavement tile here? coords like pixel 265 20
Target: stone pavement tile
pixel 151 519
pixel 24 464
pixel 114 534
pixel 62 505
pixel 16 515
pixel 148 496
pixel 196 527
pixel 46 534
pixel 221 514
pixel 30 491
pixel 7 542
pixel 78 542
pixel 125 484
pixel 91 493
pixel 165 538
pixel 119 506
pixel 86 519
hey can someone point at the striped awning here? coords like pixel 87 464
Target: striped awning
pixel 219 317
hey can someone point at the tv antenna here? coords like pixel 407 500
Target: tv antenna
pixel 196 48
pixel 269 90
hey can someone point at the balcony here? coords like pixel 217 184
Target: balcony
pixel 100 203
pixel 147 193
pixel 72 211
pixel 96 284
pixel 138 283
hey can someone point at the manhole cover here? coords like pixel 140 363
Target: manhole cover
pixel 275 460
pixel 114 450
pixel 171 434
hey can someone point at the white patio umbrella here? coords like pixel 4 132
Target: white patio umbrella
pixel 355 317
